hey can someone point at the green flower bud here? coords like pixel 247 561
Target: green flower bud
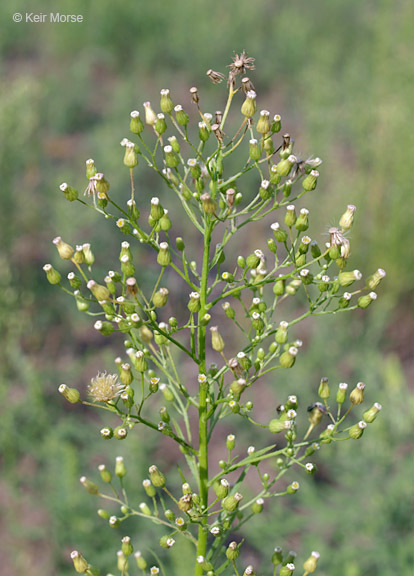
pixel 277 557
pixel 276 426
pixel 89 486
pixel 74 280
pixel 164 256
pixel 65 250
pixel 265 190
pixel 52 275
pixel 181 117
pixel 206 566
pixel 130 156
pixel 326 435
pixel 181 524
pixel 227 277
pixel 120 433
pixel 254 150
pixel 165 222
pixel 263 124
pixel 160 125
pixel 302 223
pixel 357 430
pixel 185 503
pixel 103 514
pixel 150 116
pixel 249 106
pixel 324 391
pixel 105 474
pixel 167 542
pixel 257 507
pixel 105 328
pixel 157 478
pixel 357 395
pixel 232 551
pixel 316 412
pixel 237 387
pixel 253 260
pixel 290 216
pixel 194 304
pixel 365 301
pixel 221 488
pixel 285 165
pixel 145 509
pixel 228 310
pixel 166 104
pixel 157 211
pixel 375 279
pixel 315 250
pixel 276 124
pixel 279 287
pixel 281 336
pixel 217 342
pixel 79 562
pixel 209 205
pixel 288 358
pixel 347 218
pixel 274 178
pixel 141 562
pixel 310 450
pixel 145 334
pixel 341 393
pixel 90 168
pixel 70 193
pixel 102 184
pixel 230 442
pixel 120 469
pixel 107 433
pixel 311 562
pixel 347 278
pixel 203 131
pixel 271 244
pixel 293 488
pixel 310 468
pixel 241 262
pixel 161 297
pixel 71 394
pixel 127 548
pixel 114 522
pixel 166 391
pixel 230 503
pixel 136 125
pixel 287 570
pixel 100 292
pixel 370 415
pixel 323 285
pixel 171 158
pixel 309 183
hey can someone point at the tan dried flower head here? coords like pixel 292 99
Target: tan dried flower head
pixel 105 387
pixel 241 63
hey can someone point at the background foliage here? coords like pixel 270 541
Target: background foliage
pixel 340 74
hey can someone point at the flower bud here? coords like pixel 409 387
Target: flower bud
pixel 357 430
pixel 302 223
pixel 164 256
pixel 228 310
pixel 203 131
pixel 265 190
pixel 281 335
pixel 276 124
pixel 145 509
pixel 120 469
pixel 285 165
pixel 217 342
pixel 101 183
pixel 89 486
pixel 309 183
pixel 141 562
pixel 287 570
pixel 136 125
pixel 347 278
pixel 230 442
pixel 316 412
pixel 276 426
pixel 166 392
pixel 375 279
pixel 157 478
pixel 293 488
pixel 311 562
pixel 277 557
pixel 150 116
pixel 167 542
pixel 249 106
pixel 71 394
pixel 263 124
pixel 171 158
pixel 249 571
pixel 70 193
pixel 221 488
pixel 105 328
pixel 65 250
pixel 254 259
pixel 230 503
pixel 166 103
pixel 52 275
pixel 365 301
pixel 107 433
pixel 290 216
pixel 357 395
pixel 130 156
pixel 206 566
pixel 105 474
pixel 237 386
pixel 232 552
pixel 181 116
pixel 100 292
pixel 370 415
pixel 194 304
pixel 254 150
pixel 341 394
pixel 288 358
pixel 209 205
pixel 79 562
pixel 323 391
pixel 185 503
pixel 160 297
pixel 127 548
pixel 120 433
pixel 257 507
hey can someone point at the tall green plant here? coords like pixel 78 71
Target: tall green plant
pixel 233 306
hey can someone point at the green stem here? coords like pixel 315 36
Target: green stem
pixel 202 412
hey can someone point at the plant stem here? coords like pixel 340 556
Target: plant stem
pixel 202 412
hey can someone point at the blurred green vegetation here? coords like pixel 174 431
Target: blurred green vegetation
pixel 340 74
